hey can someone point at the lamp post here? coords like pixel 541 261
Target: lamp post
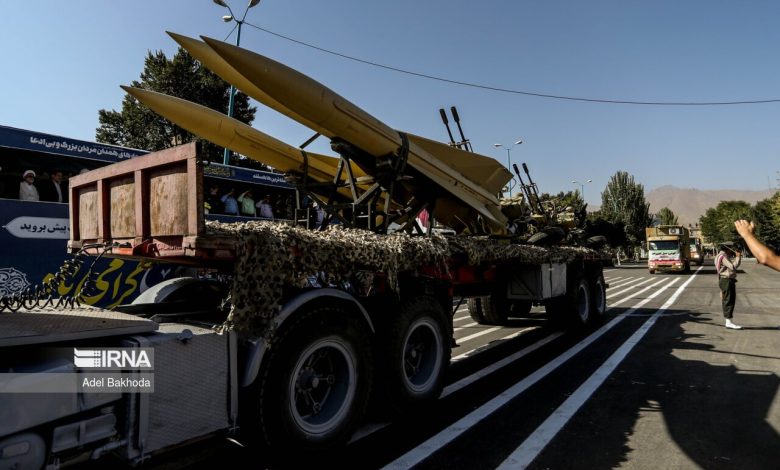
pixel 227 18
pixel 582 187
pixel 508 149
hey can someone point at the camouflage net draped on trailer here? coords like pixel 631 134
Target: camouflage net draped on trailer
pixel 271 256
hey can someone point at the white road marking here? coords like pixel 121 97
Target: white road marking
pixel 632 287
pixel 455 386
pixel 467 325
pixel 444 437
pixel 478 334
pixel 641 291
pixel 538 440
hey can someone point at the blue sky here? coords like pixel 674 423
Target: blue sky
pixel 69 58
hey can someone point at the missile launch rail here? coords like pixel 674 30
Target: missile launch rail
pixel 298 378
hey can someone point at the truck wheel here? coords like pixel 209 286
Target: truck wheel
pixel 573 309
pixel 416 355
pixel 652 271
pixel 495 309
pixel 582 304
pixel 315 387
pixel 489 310
pixel 475 309
pixel 599 298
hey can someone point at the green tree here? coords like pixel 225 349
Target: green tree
pixel 139 127
pixel 623 202
pixel 667 217
pixel 767 220
pixel 717 224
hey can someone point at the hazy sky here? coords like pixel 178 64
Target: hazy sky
pixel 62 61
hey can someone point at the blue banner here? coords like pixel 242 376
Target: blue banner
pixel 246 175
pixel 33 246
pixel 46 143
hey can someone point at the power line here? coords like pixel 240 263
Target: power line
pixel 508 90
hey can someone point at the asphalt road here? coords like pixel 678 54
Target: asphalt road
pixel 659 384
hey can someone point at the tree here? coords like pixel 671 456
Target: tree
pixel 767 219
pixel 667 217
pixel 623 201
pixel 139 127
pixel 717 224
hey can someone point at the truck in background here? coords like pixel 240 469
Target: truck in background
pixel 697 251
pixel 668 248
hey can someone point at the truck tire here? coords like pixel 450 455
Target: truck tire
pixel 315 385
pixel 651 271
pixel 495 309
pixel 475 309
pixel 489 310
pixel 416 354
pixel 573 309
pixel 582 303
pixel 598 299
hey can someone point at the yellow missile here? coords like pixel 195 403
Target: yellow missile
pixel 212 61
pixel 234 134
pixel 328 113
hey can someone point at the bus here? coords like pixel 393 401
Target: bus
pixel 34 233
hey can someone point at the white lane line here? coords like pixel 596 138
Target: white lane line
pixel 632 287
pixel 478 334
pixel 538 440
pixel 642 291
pixel 467 325
pixel 464 317
pixel 447 435
pixel 455 386
pixel 491 345
pixel 623 282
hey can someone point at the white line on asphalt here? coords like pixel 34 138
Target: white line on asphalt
pixel 478 334
pixel 444 437
pixel 632 287
pixel 467 325
pixel 455 386
pixel 464 317
pixel 623 282
pixel 641 291
pixel 538 440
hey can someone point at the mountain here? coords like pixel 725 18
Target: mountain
pixel 689 204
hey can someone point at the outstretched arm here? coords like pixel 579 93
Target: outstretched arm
pixel 763 253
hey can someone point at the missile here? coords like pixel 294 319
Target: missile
pixel 328 113
pixel 234 134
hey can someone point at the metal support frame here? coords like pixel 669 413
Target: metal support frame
pixel 362 208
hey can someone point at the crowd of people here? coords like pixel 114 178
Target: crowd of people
pixel 230 202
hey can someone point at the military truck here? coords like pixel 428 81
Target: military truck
pixel 285 337
pixel 668 248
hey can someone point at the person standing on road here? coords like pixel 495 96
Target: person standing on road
pixel 764 255
pixel 726 266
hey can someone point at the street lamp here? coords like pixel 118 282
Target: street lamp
pixel 508 149
pixel 227 18
pixel 582 187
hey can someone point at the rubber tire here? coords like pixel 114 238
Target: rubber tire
pixel 415 356
pixel 573 309
pixel 328 340
pixel 475 309
pixel 598 299
pixel 652 271
pixel 581 303
pixel 596 241
pixel 495 309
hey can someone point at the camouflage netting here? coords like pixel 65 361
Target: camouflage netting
pixel 271 256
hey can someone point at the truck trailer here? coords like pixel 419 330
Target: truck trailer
pixel 285 337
